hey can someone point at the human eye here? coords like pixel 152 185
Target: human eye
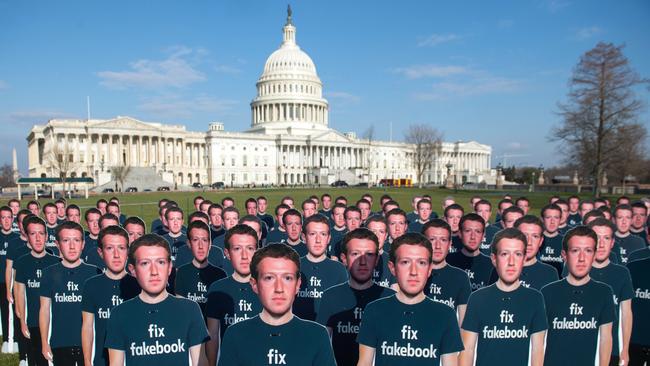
pixel 144 263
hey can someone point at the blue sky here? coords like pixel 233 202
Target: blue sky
pixel 486 71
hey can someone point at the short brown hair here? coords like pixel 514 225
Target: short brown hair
pixel 410 239
pixel 149 240
pixel 275 250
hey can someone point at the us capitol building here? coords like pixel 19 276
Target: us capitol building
pixel 289 142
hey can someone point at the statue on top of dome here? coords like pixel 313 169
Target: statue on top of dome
pixel 289 12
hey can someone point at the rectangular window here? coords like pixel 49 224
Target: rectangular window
pixel 232 162
pixel 245 160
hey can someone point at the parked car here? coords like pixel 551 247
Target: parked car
pixel 197 185
pixel 108 190
pixel 339 183
pixel 162 189
pixel 218 185
pixel 131 189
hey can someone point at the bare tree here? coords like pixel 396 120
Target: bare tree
pixel 6 176
pixel 119 174
pixel 427 143
pixel 600 112
pixel 60 162
pixel 369 137
pixel 632 150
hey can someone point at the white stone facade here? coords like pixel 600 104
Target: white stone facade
pixel 93 147
pixel 289 141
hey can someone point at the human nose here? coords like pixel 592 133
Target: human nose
pixel 279 286
pixel 414 268
pixel 363 260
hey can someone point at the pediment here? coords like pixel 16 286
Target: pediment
pixel 474 145
pixel 330 136
pixel 126 123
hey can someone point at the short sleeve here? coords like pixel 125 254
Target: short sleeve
pixel 325 355
pixel 608 312
pixel 197 332
pixel 11 251
pixel 87 300
pixel 627 291
pixel 215 305
pixel 471 322
pixel 46 284
pixel 20 272
pixel 451 341
pixel 464 292
pixel 115 338
pixel 539 321
pixel 367 329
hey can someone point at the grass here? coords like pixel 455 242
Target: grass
pixel 144 204
pixel 10 359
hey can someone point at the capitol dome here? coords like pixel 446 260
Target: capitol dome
pixel 289 91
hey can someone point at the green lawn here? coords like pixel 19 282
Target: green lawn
pixel 8 359
pixel 144 204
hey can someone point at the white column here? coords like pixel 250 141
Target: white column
pixel 172 158
pixel 98 156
